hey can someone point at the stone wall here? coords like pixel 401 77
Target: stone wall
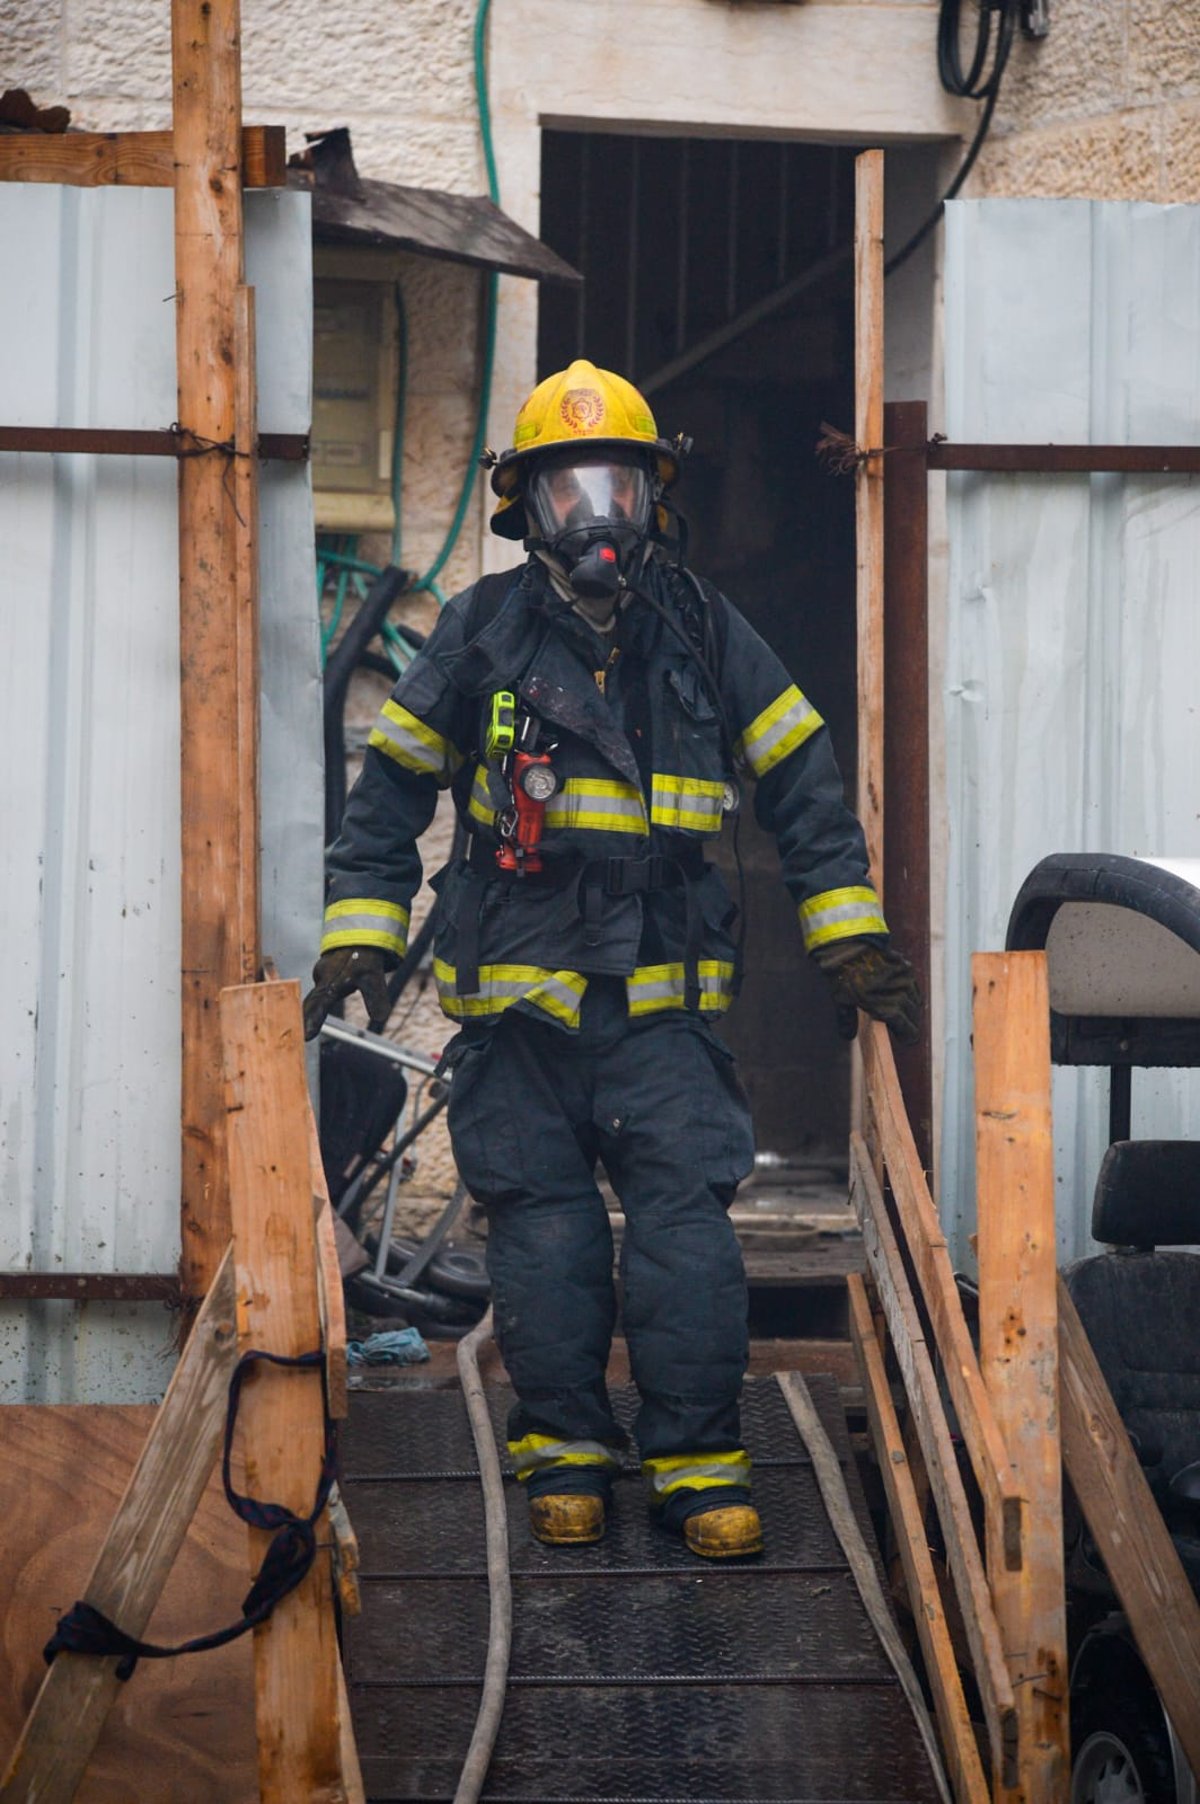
pixel 1106 108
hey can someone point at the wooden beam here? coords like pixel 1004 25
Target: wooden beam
pixel 216 838
pixel 129 159
pixel 925 1402
pixel 1129 1531
pixel 1018 1344
pixel 963 1766
pixel 868 435
pixel 282 1413
pixel 78 1691
pixel 927 1248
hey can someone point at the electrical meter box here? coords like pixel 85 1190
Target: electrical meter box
pixel 354 399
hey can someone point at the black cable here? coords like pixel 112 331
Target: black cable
pixel 973 85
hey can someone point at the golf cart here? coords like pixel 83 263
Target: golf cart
pixel 1122 941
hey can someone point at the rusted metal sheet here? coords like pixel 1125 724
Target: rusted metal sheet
pixel 289 447
pixel 461 228
pixel 1050 460
pixel 92 1287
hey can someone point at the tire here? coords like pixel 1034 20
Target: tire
pixel 1121 1751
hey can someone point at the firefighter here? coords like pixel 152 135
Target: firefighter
pixel 598 714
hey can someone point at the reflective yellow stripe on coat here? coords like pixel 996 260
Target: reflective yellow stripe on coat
pixel 691 803
pixel 778 730
pixel 656 987
pixel 535 1452
pixel 556 993
pixel 363 921
pixel 840 914
pixel 696 1472
pixel 600 803
pixel 413 743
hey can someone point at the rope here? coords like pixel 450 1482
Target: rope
pixel 495 1674
pixel 85 1630
pixel 837 1503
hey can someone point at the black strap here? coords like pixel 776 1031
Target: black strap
pixel 86 1630
pixel 466 945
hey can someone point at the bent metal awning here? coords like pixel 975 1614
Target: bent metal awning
pixel 353 209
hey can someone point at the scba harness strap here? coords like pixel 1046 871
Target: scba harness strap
pixel 85 1630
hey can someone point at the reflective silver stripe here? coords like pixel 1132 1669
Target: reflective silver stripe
pixel 556 993
pixel 528 1458
pixel 361 923
pixel 597 804
pixel 666 1476
pixel 479 803
pixel 839 914
pixel 654 987
pixel 778 730
pixel 411 742
pixel 686 802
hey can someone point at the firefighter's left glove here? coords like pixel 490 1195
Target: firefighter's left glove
pixel 336 975
pixel 869 975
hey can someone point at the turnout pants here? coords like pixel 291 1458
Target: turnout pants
pixel 532 1111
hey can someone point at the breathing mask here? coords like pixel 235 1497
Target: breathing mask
pixel 593 513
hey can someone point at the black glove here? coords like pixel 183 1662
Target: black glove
pixel 868 974
pixel 336 974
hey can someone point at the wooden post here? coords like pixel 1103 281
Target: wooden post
pixel 1138 1553
pixel 132 1567
pixel 1018 1346
pixel 219 845
pixel 282 1412
pixel 868 435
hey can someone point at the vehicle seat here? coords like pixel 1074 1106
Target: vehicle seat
pixel 1140 1306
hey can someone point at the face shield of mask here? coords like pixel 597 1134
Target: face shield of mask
pixel 574 505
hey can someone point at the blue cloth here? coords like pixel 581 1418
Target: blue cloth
pixel 395 1347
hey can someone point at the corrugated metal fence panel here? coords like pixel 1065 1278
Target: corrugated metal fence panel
pixel 89 746
pixel 1073 635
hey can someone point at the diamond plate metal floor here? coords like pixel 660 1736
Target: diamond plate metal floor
pixel 638 1672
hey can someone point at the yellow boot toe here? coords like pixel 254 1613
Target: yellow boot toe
pixel 569 1519
pixel 724 1534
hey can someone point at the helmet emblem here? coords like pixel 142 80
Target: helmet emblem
pixel 582 409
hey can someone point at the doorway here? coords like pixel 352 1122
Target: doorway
pixel 718 276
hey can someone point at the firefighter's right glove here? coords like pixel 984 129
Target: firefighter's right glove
pixel 869 975
pixel 336 975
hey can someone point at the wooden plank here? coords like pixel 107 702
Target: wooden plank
pixel 139 1550
pixel 331 1300
pixel 208 273
pixel 245 486
pixel 927 1248
pixel 282 1412
pixel 960 1750
pixel 129 159
pixel 64 1470
pixel 1018 1344
pixel 925 1402
pixel 1128 1529
pixel 868 495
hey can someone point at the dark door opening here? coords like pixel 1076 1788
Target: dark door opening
pixel 718 277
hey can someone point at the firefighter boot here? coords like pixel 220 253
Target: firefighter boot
pixel 724 1534
pixel 566 1519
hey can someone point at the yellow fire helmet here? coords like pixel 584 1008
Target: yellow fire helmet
pixel 581 403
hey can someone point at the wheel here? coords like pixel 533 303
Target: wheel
pixel 1121 1751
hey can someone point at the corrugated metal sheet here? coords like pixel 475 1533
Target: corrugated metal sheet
pixel 1072 716
pixel 89 747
